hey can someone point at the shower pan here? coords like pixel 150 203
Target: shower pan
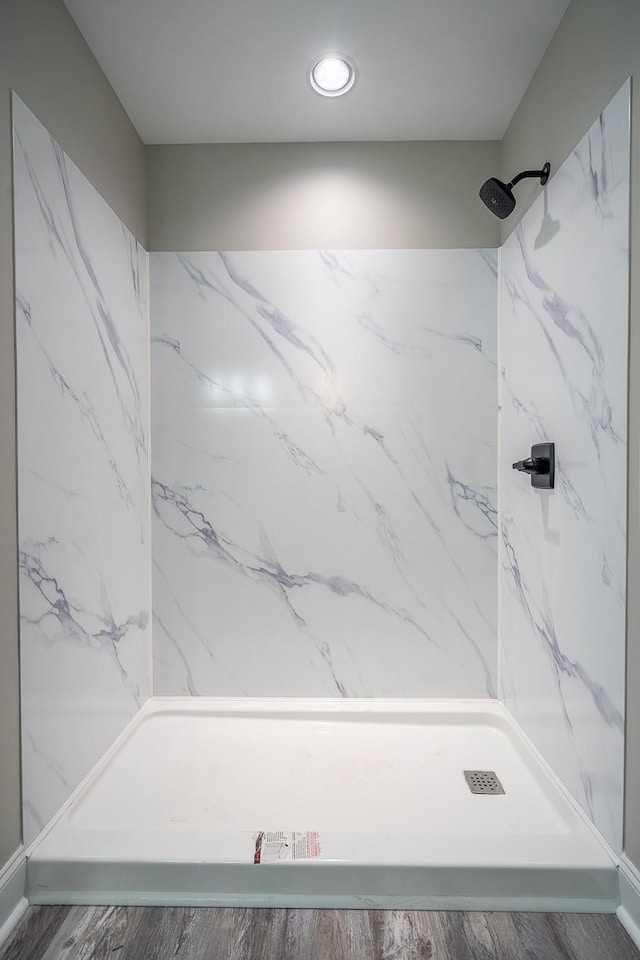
pixel 372 793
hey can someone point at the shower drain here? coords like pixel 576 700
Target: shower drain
pixel 483 781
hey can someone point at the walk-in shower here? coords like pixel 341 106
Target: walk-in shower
pixel 370 670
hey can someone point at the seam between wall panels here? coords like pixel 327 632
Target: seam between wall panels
pixel 149 487
pixel 628 532
pixel 499 652
pixel 16 466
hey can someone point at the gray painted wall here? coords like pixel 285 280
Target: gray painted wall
pixel 295 196
pixel 45 59
pixel 596 47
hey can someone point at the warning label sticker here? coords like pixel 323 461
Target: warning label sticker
pixel 279 846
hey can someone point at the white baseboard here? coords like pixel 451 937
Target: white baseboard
pixel 629 910
pixel 13 902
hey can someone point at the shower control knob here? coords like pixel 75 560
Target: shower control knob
pixel 540 466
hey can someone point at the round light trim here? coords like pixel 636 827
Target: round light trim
pixel 332 75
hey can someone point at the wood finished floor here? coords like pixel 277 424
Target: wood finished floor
pixel 185 933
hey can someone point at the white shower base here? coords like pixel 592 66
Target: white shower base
pixel 171 814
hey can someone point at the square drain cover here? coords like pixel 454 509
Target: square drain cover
pixel 483 781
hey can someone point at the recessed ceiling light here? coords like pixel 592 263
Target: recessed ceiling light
pixel 332 75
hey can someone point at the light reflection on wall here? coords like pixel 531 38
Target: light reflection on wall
pixel 226 390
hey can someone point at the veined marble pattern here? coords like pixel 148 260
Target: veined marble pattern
pixel 324 473
pixel 564 378
pixel 82 349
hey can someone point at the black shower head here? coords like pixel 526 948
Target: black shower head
pixel 498 196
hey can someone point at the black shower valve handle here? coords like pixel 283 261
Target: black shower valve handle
pixel 541 465
pixel 532 465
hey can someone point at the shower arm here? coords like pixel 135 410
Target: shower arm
pixel 541 175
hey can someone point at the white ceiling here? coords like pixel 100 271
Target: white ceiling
pixel 235 70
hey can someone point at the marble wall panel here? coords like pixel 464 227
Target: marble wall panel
pixel 324 473
pixel 564 334
pixel 82 354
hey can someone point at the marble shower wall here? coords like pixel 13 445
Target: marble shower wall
pixel 324 473
pixel 564 333
pixel 82 351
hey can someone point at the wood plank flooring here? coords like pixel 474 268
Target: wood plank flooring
pixel 210 933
